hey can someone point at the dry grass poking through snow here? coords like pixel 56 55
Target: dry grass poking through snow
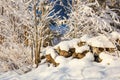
pixel 14 57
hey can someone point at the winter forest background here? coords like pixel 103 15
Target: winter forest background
pixel 27 27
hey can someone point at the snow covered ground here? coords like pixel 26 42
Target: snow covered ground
pixel 15 59
pixel 73 69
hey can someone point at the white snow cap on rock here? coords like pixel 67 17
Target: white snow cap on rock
pixel 85 38
pixel 52 52
pixel 81 49
pixel 101 41
pixel 73 42
pixel 66 45
pixel 115 35
pixel 1 19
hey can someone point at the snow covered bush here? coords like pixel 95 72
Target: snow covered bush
pixel 90 18
pixel 24 31
pixel 14 57
pixel 14 16
pixel 20 22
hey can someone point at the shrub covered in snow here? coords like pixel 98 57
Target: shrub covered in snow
pixel 90 18
pixel 15 57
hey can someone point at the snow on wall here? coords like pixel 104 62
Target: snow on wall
pixel 81 49
pixel 115 35
pixel 65 45
pixel 52 52
pixel 101 41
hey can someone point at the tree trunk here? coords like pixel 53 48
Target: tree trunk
pixel 2 12
pixel 37 54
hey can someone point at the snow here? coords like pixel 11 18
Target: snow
pixel 81 49
pixel 100 41
pixel 15 58
pixel 62 47
pixel 61 60
pixel 1 19
pixel 65 45
pixel 85 37
pixel 115 35
pixel 71 69
pixel 73 42
pixel 109 60
pixel 89 57
pixel 52 52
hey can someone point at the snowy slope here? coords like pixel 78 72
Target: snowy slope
pixel 100 41
pixel 73 69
